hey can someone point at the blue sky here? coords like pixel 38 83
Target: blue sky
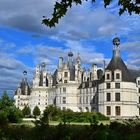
pixel 87 29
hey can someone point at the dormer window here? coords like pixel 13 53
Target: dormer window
pixel 108 76
pixel 65 74
pixel 138 81
pixel 117 75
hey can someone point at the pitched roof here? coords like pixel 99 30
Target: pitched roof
pixel 117 63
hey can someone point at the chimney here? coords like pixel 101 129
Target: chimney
pixel 60 62
pixel 94 72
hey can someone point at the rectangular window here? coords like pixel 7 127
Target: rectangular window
pixel 84 78
pixel 117 96
pixel 108 85
pixel 139 90
pixel 138 82
pixel 139 100
pixel 64 100
pixel 80 100
pixel 117 75
pixel 64 89
pixel 107 76
pixel 86 99
pixel 118 110
pixel 87 91
pixel 117 85
pixel 65 74
pixel 108 110
pixel 108 97
pixel 65 81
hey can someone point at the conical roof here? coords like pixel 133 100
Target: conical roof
pixel 117 63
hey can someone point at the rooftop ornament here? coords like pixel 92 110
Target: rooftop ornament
pixel 116 42
pixel 25 72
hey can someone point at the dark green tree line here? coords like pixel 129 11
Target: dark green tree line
pixel 8 111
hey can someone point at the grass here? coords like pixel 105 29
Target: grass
pixel 54 123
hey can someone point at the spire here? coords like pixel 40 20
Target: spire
pixel 25 76
pixel 78 59
pixel 43 66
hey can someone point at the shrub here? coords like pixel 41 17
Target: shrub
pixel 26 112
pixel 36 111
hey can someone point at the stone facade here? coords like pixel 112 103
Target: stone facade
pixel 114 91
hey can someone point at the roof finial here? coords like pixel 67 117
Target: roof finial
pixel 116 42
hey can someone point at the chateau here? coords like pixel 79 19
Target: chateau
pixel 113 91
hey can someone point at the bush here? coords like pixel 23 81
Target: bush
pixel 36 111
pixel 26 111
pixel 3 118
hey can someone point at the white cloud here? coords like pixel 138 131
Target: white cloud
pixel 81 22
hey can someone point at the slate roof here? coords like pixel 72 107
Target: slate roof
pixel 135 73
pixel 117 63
pixel 95 83
pixel 22 86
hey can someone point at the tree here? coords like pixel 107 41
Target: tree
pixel 51 112
pixel 8 111
pixel 26 112
pixel 36 111
pixel 61 8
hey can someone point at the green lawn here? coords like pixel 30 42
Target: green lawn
pixel 31 124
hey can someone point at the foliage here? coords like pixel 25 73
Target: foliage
pixel 114 131
pixel 52 112
pixel 61 7
pixel 67 116
pixel 3 118
pixel 26 111
pixel 36 111
pixel 8 111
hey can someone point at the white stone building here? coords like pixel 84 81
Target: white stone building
pixel 115 92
